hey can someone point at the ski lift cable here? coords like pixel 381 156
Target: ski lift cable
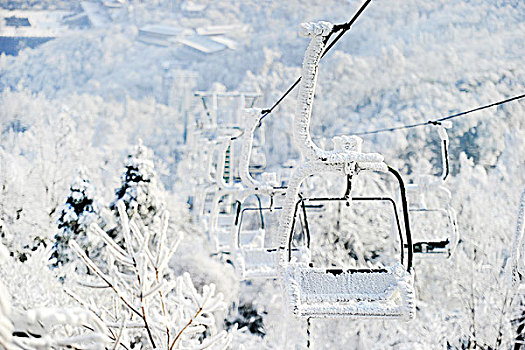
pixel 342 28
pixel 438 121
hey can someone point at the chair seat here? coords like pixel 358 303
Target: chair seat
pixel 325 292
pixel 323 285
pixel 264 262
pixel 247 238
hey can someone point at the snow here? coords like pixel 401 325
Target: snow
pixel 202 44
pixel 221 29
pixel 86 97
pixel 96 13
pixel 261 262
pixel 164 30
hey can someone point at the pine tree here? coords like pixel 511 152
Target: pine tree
pixel 139 189
pixel 247 316
pixel 79 211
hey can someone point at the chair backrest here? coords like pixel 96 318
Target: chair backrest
pixel 300 205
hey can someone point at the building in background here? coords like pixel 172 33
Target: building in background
pixel 29 28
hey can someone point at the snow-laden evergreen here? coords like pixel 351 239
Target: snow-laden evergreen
pixel 80 210
pixel 139 189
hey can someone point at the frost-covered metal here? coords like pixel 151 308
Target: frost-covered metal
pixel 441 244
pixel 252 256
pixel 318 32
pixel 251 120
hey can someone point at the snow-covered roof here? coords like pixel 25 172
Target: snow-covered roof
pixel 227 93
pixel 222 29
pixel 164 30
pixel 202 44
pixel 221 39
pixel 97 13
pixel 161 34
pixel 42 24
pixel 112 3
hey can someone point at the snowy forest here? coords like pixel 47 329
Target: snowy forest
pixel 168 182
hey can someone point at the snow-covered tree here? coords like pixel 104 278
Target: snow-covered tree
pixel 139 190
pixel 37 313
pixel 80 210
pixel 147 305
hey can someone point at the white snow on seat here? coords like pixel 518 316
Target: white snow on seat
pixel 317 285
pixel 315 293
pixel 258 263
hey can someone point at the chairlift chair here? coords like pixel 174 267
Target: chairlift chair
pixel 221 216
pixel 257 259
pixel 204 190
pixel 225 107
pixel 224 221
pixel 444 236
pixel 244 240
pixel 357 293
pixel 327 292
pixel 228 184
pixel 214 174
pixel 221 223
pixel 441 245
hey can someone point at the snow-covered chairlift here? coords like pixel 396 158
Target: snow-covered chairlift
pixel 223 221
pixel 214 174
pixel 357 293
pixel 252 258
pixel 231 185
pixel 441 219
pixel 259 258
pixel 327 292
pixel 205 189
